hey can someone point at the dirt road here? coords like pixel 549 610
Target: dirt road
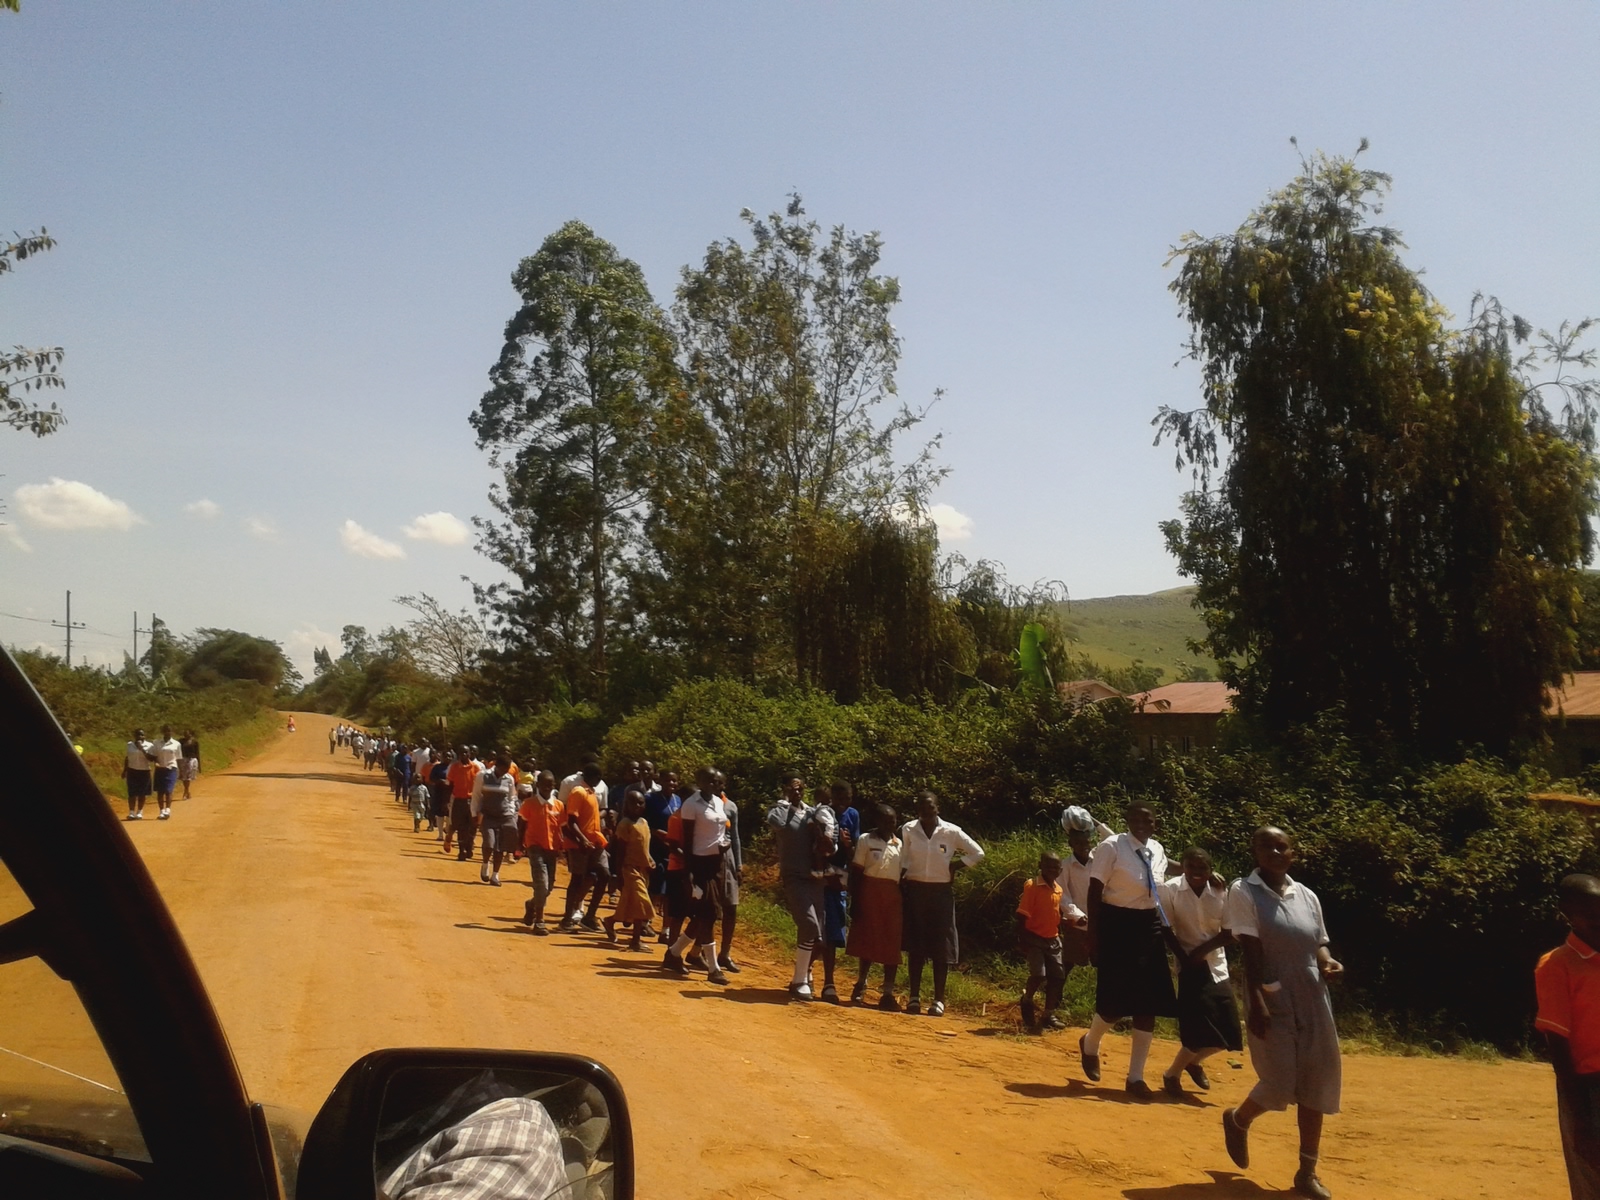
pixel 325 928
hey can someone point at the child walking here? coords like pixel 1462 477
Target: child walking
pixel 876 912
pixel 1568 983
pixel 419 800
pixel 630 855
pixel 1208 1018
pixel 1039 939
pixel 1294 1045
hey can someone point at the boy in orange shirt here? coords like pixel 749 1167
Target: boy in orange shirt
pixel 586 861
pixel 1568 982
pixel 542 817
pixel 1039 938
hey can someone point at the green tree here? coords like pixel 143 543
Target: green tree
pixel 216 655
pixel 357 645
pixel 24 369
pixel 787 355
pixel 322 661
pixel 568 417
pixel 165 655
pixel 1397 517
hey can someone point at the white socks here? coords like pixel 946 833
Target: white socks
pixel 802 966
pixel 1141 1051
pixel 1097 1030
pixel 681 946
pixel 1184 1058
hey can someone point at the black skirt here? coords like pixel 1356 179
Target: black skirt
pixel 930 922
pixel 1132 978
pixel 1208 1017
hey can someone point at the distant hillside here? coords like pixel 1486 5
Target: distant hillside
pixel 1116 630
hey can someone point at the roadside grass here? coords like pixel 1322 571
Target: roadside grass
pixel 219 749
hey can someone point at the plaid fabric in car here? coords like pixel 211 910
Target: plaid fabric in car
pixel 509 1148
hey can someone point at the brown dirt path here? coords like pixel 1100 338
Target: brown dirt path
pixel 325 928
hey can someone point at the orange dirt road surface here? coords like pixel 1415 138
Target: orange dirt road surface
pixel 324 928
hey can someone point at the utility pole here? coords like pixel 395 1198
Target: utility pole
pixel 69 625
pixel 136 632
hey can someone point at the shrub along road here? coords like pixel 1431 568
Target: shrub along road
pixel 325 928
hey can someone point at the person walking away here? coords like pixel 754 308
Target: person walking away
pixel 333 739
pixel 439 794
pixel 189 765
pixel 542 818
pixel 1039 939
pixel 876 930
pixel 497 810
pixel 677 879
pixel 1567 981
pixel 461 774
pixel 165 756
pixel 1208 1018
pixel 630 855
pixel 136 774
pixel 798 827
pixel 1081 829
pixel 580 778
pixel 931 852
pixel 1294 1045
pixel 732 880
pixel 659 806
pixel 585 843
pixel 1127 944
pixel 708 855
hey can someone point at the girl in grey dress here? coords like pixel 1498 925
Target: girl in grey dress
pixel 1294 1046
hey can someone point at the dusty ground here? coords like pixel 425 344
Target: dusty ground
pixel 325 928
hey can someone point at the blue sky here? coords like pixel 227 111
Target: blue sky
pixel 286 234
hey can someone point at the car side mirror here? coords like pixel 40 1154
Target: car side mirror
pixel 470 1123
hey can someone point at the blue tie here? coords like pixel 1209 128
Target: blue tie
pixel 1146 857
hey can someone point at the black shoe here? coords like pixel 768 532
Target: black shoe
pixel 887 1003
pixel 1171 1085
pixel 728 965
pixel 540 930
pixel 527 913
pixel 568 925
pixel 716 976
pixel 1029 1016
pixel 801 992
pixel 1053 1022
pixel 695 959
pixel 1138 1089
pixel 1091 1062
pixel 1198 1074
pixel 589 923
pixel 1307 1184
pixel 674 964
pixel 1237 1139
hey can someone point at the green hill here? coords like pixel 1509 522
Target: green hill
pixel 1117 630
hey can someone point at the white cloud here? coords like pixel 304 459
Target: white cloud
pixel 263 528
pixel 69 504
pixel 367 544
pixel 203 508
pixel 10 537
pixel 953 526
pixel 442 527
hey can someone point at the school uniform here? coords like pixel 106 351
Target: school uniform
pixel 1567 981
pixel 630 847
pixel 137 772
pixel 1208 1016
pixel 659 805
pixel 796 827
pixel 1298 1061
pixel 878 930
pixel 709 863
pixel 1133 979
pixel 930 903
pixel 1075 909
pixel 541 839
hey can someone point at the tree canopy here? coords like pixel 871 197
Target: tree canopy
pixel 1388 516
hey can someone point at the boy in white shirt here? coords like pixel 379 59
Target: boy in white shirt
pixel 1208 1017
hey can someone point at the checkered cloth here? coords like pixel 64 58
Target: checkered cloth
pixel 509 1148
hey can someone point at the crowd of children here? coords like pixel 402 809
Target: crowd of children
pixel 671 857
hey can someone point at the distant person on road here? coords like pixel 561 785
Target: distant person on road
pixel 1294 1045
pixel 461 774
pixel 497 812
pixel 1128 944
pixel 1039 939
pixel 136 774
pixel 585 843
pixel 439 794
pixel 630 858
pixel 542 818
pixel 877 931
pixel 932 850
pixel 333 739
pixel 1208 1017
pixel 189 767
pixel 417 800
pixel 165 756
pixel 1567 980
pixel 799 827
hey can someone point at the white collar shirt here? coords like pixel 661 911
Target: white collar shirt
pixel 877 857
pixel 1196 919
pixel 138 756
pixel 1241 918
pixel 166 754
pixel 1119 866
pixel 710 817
pixel 1075 889
pixel 927 859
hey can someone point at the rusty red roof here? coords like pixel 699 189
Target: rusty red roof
pixel 1579 699
pixel 1189 698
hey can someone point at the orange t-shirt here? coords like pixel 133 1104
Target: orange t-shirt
pixel 583 807
pixel 542 822
pixel 1568 983
pixel 674 840
pixel 460 775
pixel 1041 904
